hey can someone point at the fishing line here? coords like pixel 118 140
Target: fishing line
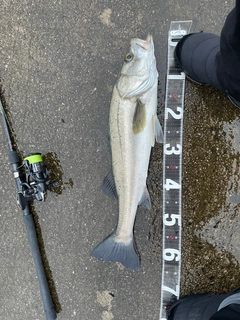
pixel 172 172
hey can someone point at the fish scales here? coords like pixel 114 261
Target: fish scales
pixel 130 157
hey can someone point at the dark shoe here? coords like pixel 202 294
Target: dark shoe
pixel 205 306
pixel 196 307
pixel 198 56
pixel 195 54
pixel 234 101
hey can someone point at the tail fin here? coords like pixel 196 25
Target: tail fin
pixel 110 250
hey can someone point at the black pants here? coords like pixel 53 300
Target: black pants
pixel 228 58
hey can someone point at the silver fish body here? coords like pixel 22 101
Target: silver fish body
pixel 134 127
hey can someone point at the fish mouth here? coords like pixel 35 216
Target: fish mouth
pixel 144 44
pixel 141 46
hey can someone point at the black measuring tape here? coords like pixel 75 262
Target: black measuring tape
pixel 172 172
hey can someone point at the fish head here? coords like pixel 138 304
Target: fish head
pixel 139 68
pixel 140 57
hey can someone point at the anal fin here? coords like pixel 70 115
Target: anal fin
pixel 108 186
pixel 145 200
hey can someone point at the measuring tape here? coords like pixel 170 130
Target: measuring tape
pixel 172 172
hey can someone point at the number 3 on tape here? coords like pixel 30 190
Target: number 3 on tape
pixel 168 150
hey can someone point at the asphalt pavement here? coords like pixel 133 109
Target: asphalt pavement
pixel 59 61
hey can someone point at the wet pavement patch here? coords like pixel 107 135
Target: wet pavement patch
pixel 210 261
pixel 56 173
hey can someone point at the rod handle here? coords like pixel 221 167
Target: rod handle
pixel 42 280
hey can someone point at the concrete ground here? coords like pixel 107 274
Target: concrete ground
pixel 59 61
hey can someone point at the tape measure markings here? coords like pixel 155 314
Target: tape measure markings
pixel 172 172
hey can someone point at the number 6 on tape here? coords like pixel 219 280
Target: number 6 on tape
pixel 171 254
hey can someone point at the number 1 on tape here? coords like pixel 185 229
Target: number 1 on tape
pixel 172 172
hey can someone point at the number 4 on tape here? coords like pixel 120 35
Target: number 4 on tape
pixel 170 184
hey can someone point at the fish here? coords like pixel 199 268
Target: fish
pixel 133 129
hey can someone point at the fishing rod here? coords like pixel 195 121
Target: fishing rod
pixel 32 182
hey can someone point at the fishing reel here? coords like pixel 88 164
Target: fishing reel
pixel 35 183
pixel 37 176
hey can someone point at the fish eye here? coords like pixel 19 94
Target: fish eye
pixel 129 56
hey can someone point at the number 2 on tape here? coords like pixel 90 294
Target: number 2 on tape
pixel 173 113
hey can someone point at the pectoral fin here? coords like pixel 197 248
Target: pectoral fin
pixel 157 133
pixel 139 118
pixel 158 130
